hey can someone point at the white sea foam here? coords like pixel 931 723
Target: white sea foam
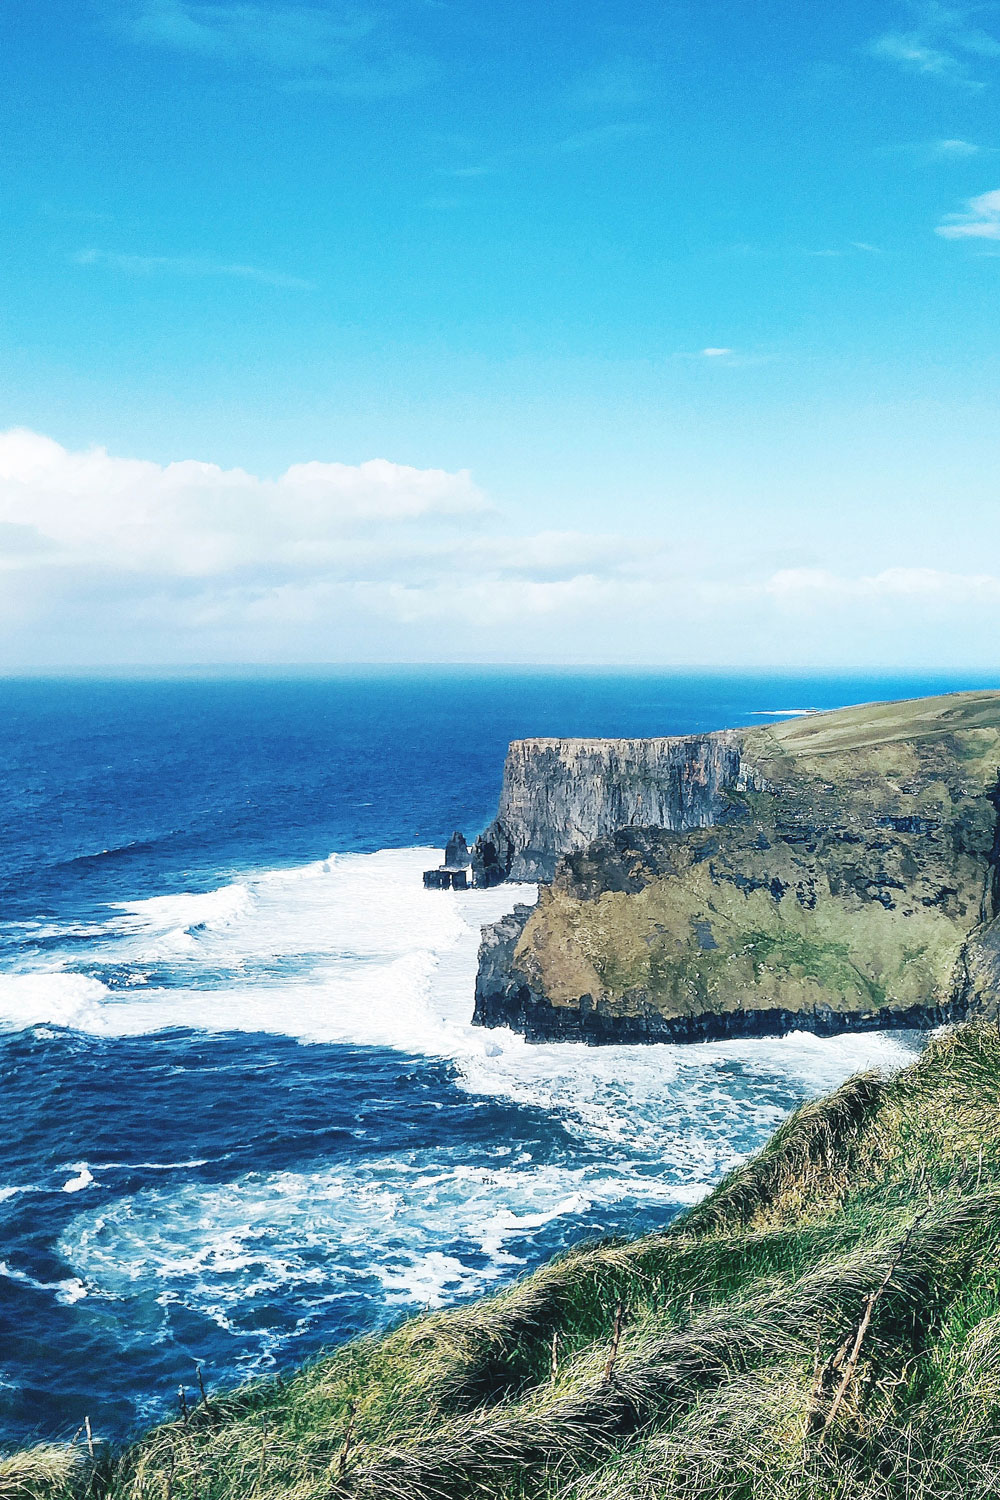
pixel 214 910
pixel 153 1166
pixel 6 1193
pixel 67 1292
pixel 54 998
pixel 353 949
pixel 418 1227
pixel 84 1178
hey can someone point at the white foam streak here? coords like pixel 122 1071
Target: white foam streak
pixel 316 1234
pixel 67 1292
pixel 352 949
pixel 6 1193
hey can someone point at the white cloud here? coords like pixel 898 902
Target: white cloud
pixel 601 135
pixel 892 586
pixel 953 149
pixel 913 52
pixel 942 150
pixel 193 519
pixel 107 559
pixel 596 139
pixel 940 45
pixel 980 221
pixel 110 555
pixel 721 354
pixel 345 48
pixel 189 265
pixel 289 37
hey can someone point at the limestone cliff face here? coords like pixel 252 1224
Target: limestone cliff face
pixel 837 872
pixel 560 795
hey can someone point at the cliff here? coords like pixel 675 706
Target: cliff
pixel 560 795
pixel 830 873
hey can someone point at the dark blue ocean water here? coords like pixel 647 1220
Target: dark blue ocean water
pixel 243 1113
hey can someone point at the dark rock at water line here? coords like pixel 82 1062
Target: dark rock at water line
pixel 454 874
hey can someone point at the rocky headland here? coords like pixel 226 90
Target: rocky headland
pixel 829 873
pixel 560 795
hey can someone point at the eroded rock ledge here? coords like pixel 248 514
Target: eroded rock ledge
pixel 830 874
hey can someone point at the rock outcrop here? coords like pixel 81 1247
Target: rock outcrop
pixel 560 795
pixel 838 872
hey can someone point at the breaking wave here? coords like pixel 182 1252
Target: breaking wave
pixel 420 1228
pixel 366 1212
pixel 352 949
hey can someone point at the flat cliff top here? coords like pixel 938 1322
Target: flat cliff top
pixel 869 724
pixel 860 726
pixel 577 742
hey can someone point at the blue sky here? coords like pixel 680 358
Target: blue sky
pixel 673 326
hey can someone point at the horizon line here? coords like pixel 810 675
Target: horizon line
pixel 174 670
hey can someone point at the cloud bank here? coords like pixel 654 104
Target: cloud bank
pixel 107 560
pixel 196 520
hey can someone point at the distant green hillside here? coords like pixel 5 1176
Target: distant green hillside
pixel 825 1326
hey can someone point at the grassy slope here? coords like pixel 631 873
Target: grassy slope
pixel 870 724
pixel 738 1328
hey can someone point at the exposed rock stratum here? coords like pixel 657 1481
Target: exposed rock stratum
pixel 829 873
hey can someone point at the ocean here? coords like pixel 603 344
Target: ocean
pixel 244 1114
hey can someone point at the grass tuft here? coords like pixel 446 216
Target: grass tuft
pixel 50 1471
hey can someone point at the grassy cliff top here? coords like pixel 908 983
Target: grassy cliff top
pixel 850 878
pixel 824 1326
pixel 861 726
pixel 868 724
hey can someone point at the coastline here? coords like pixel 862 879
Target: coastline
pixel 836 872
pixel 538 1020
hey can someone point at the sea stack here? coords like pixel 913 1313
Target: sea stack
pixel 454 874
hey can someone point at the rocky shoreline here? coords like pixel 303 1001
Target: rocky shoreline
pixel 538 1020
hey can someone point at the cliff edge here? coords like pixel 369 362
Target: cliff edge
pixel 560 795
pixel 836 872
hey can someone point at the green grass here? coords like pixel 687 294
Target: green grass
pixel 732 1376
